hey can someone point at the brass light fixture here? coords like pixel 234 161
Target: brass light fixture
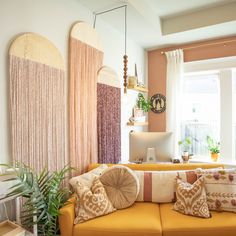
pixel 125 57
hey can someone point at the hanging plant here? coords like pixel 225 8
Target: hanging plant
pixel 143 104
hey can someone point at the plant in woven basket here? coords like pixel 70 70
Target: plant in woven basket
pixel 43 196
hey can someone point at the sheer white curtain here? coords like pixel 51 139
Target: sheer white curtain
pixel 174 84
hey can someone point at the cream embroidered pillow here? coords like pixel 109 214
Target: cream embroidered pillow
pixel 191 198
pixel 88 177
pixel 151 182
pixel 92 202
pixel 220 189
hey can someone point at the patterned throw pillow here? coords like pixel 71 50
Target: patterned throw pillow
pixel 220 189
pixel 191 198
pixel 152 181
pixel 92 202
pixel 88 177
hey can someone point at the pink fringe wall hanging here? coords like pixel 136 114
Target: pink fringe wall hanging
pixel 85 61
pixel 37 103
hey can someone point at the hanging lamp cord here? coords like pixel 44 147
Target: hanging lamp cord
pixel 125 28
pixel 109 10
pixel 125 57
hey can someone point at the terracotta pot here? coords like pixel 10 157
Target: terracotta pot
pixel 215 156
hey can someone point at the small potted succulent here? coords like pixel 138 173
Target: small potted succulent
pixel 214 148
pixel 185 143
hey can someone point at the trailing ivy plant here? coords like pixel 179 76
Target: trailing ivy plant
pixel 43 196
pixel 144 104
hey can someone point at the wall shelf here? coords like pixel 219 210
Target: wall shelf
pixel 138 88
pixel 137 123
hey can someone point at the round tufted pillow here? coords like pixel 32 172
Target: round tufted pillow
pixel 121 185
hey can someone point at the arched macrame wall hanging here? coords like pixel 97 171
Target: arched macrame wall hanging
pixel 37 102
pixel 108 116
pixel 85 60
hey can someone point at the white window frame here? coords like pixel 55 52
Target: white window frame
pixel 225 67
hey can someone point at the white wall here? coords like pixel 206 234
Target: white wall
pixel 53 19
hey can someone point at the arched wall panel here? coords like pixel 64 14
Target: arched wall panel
pixel 108 116
pixel 85 59
pixel 37 102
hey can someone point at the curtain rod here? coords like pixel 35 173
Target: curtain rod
pixel 207 44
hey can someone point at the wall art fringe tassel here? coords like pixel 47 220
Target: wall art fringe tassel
pixel 108 116
pixel 85 60
pixel 37 102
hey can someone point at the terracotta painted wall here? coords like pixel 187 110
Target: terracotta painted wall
pixel 224 47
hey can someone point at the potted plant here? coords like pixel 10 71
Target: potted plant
pixel 143 105
pixel 185 143
pixel 214 148
pixel 43 196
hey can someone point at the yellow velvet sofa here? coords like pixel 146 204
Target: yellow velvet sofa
pixel 149 219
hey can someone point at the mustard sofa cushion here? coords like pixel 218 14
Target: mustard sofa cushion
pixel 141 219
pixel 177 224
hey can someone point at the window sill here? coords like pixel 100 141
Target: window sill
pixel 208 160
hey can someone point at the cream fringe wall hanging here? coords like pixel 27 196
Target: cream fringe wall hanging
pixel 37 102
pixel 85 60
pixel 108 116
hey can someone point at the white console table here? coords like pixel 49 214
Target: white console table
pixel 17 202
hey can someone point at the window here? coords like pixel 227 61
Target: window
pixel 209 106
pixel 200 113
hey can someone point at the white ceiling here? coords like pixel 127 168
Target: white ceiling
pixel 161 23
pixel 170 7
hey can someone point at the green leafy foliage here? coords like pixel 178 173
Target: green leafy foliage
pixel 43 194
pixel 186 143
pixel 144 104
pixel 213 145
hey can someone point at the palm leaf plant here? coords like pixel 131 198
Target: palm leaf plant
pixel 43 196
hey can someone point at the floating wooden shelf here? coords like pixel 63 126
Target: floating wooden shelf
pixel 137 123
pixel 138 88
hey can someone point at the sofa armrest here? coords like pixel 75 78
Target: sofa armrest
pixel 66 217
